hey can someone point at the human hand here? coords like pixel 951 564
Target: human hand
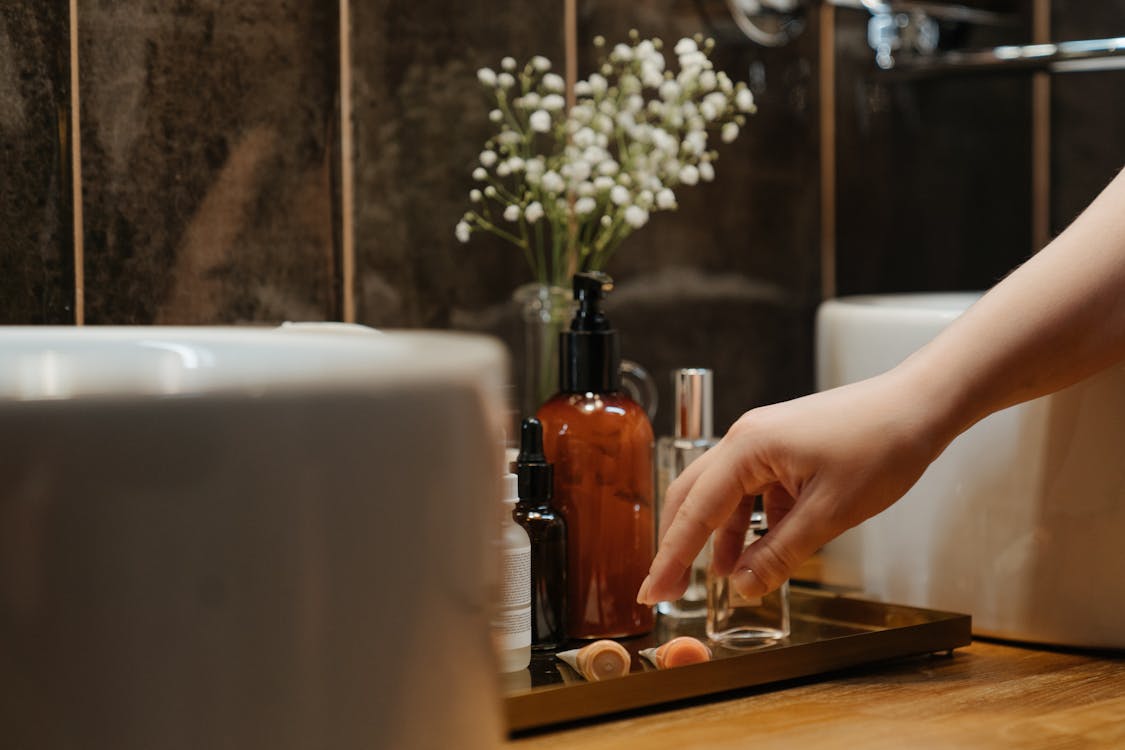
pixel 822 463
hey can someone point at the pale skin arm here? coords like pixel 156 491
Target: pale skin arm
pixel 828 461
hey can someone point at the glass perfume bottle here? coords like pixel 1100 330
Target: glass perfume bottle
pixel 738 622
pixel 691 438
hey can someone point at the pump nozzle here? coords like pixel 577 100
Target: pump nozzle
pixel 536 476
pixel 590 288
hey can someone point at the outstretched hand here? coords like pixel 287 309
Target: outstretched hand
pixel 822 463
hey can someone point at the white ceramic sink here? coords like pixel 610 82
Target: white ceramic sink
pixel 247 538
pixel 1020 522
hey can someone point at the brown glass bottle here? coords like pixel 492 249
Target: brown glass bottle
pixel 546 528
pixel 600 442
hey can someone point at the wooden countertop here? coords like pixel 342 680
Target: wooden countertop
pixel 985 696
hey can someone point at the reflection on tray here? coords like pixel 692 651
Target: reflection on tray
pixel 829 632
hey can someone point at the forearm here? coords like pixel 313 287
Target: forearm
pixel 1056 320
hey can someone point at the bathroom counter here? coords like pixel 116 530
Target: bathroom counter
pixel 986 695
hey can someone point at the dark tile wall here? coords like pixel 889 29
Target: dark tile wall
pixel 1087 112
pixel 210 173
pixel 207 144
pixel 36 259
pixel 934 174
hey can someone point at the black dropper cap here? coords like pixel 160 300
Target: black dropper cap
pixel 535 477
pixel 590 352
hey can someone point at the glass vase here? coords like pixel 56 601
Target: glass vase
pixel 545 310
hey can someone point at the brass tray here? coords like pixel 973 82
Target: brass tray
pixel 829 632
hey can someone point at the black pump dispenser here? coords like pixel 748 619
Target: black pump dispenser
pixel 535 477
pixel 590 352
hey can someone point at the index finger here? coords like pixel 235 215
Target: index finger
pixel 715 494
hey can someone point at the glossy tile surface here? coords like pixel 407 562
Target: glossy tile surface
pixel 934 175
pixel 208 133
pixel 36 259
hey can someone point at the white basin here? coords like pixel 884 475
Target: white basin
pixel 247 538
pixel 1020 522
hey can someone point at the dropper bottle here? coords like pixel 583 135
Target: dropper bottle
pixel 546 528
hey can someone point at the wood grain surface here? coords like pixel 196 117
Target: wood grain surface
pixel 985 696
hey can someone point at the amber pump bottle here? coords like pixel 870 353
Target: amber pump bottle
pixel 600 442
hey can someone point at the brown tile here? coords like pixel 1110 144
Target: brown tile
pixel 934 174
pixel 1087 113
pixel 36 255
pixel 208 133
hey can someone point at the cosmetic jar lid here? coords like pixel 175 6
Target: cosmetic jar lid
pixel 510 489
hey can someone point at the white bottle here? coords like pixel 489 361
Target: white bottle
pixel 511 622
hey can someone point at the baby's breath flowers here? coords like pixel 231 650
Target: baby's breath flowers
pixel 567 187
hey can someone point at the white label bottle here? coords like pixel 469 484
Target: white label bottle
pixel 511 621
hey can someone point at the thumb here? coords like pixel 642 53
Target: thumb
pixel 772 559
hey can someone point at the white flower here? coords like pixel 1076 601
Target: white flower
pixel 495 115
pixel 463 230
pixel 718 100
pixel 584 206
pixel 512 213
pixel 598 84
pixel 509 138
pixel 490 191
pixel 689 175
pixel 744 100
pixel 707 80
pixel 594 155
pixel 535 166
pixel 706 171
pixel 636 217
pixel 540 121
pixel 606 221
pixel 534 211
pixel 503 170
pixel 554 82
pixel 663 140
pixel 686 46
pixel 528 101
pixel 647 50
pixel 540 63
pixel 475 196
pixel 585 189
pixel 506 80
pixel 553 102
pixel 644 199
pixel 508 63
pixel 487 76
pixel 479 174
pixel 583 88
pixel 488 158
pixel 516 164
pixel 577 171
pixel 553 182
pixel 609 167
pixel 603 183
pixel 651 75
pixel 695 142
pixel 666 199
pixel 619 195
pixel 669 91
pixel 730 132
pixel 708 111
pixel 622 52
pixel 584 138
pixel 724 82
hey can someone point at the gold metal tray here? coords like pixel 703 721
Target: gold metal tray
pixel 829 632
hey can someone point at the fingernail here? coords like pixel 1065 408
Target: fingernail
pixel 642 593
pixel 747 583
